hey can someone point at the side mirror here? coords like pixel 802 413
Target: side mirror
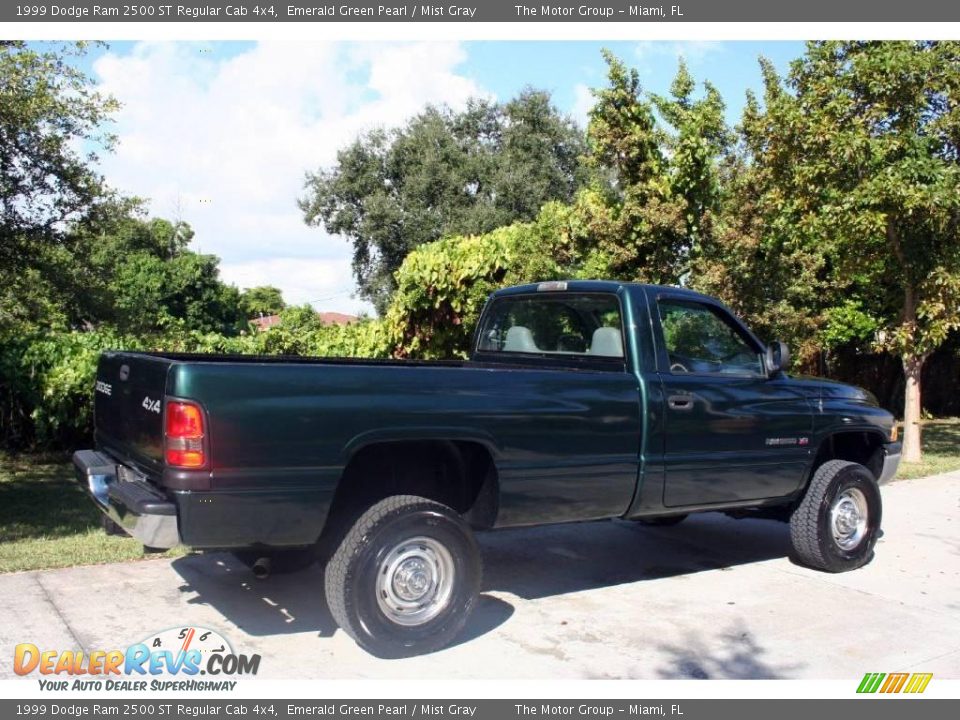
pixel 777 357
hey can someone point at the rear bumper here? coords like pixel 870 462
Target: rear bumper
pixel 891 461
pixel 135 505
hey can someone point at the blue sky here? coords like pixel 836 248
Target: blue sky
pixel 505 67
pixel 560 67
pixel 221 134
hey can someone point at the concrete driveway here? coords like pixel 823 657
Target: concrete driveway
pixel 710 598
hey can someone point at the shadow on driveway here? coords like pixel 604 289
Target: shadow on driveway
pixel 735 655
pixel 529 563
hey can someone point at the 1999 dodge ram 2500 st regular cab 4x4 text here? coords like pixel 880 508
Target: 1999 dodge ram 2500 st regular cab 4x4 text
pixel 582 400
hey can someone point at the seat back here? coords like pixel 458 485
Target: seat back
pixel 519 339
pixel 606 342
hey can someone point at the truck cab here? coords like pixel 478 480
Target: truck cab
pixel 723 424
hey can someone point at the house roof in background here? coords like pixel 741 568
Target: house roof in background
pixel 327 318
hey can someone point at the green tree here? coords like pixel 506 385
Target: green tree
pixel 138 274
pixel 628 208
pixel 656 186
pixel 48 111
pixel 151 293
pixel 857 156
pixel 697 141
pixel 443 173
pixel 261 300
pixel 773 283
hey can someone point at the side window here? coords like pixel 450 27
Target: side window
pixel 584 325
pixel 702 339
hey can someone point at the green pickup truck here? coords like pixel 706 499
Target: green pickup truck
pixel 581 400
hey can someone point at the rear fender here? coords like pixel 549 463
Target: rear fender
pixel 423 433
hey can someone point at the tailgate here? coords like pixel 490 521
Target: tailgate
pixel 128 407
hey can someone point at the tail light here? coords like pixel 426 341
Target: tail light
pixel 184 436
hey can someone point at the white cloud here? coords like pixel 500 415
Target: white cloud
pixel 224 142
pixel 583 101
pixel 326 283
pixel 653 55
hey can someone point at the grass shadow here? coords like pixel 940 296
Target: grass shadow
pixel 42 501
pixel 941 450
pixel 941 437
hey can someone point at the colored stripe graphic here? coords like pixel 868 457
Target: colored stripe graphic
pixel 894 683
pixel 918 682
pixel 870 682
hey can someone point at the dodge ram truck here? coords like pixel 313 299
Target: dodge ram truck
pixel 581 400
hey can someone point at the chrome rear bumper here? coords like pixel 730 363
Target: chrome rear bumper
pixel 135 505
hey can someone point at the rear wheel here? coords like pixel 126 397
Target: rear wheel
pixel 837 523
pixel 405 577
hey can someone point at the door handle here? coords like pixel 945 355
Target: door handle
pixel 680 402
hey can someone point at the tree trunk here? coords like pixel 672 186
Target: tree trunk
pixel 912 360
pixel 912 368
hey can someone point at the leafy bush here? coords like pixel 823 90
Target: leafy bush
pixel 46 385
pixel 46 379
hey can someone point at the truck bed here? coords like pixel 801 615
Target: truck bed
pixel 287 426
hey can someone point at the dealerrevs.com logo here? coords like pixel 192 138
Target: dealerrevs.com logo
pixel 173 659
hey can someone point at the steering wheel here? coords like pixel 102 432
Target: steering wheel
pixel 676 367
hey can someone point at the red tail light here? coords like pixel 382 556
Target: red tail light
pixel 184 435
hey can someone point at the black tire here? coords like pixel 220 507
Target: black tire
pixel 812 525
pixel 355 573
pixel 663 521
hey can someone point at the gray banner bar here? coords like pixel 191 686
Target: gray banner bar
pixel 481 11
pixel 854 709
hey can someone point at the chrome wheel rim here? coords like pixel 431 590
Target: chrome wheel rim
pixel 415 581
pixel 848 518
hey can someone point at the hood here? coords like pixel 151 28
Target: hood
pixel 817 387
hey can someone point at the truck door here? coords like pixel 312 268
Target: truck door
pixel 731 433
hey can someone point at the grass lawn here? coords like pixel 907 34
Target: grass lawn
pixel 47 521
pixel 941 449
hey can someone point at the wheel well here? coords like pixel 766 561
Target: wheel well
pixel 459 474
pixel 861 447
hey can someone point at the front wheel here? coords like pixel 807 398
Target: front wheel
pixel 405 577
pixel 837 523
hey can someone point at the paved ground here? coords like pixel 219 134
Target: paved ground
pixel 713 597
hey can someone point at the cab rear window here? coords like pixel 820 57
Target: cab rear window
pixel 568 325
